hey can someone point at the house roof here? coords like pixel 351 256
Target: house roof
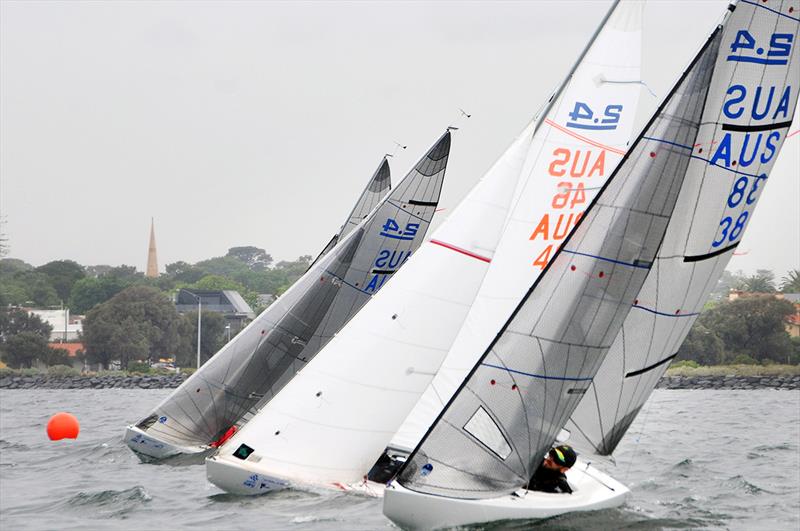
pixel 71 348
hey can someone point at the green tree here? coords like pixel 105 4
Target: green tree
pixel 184 272
pixel 256 259
pixel 762 282
pixel 753 326
pixel 226 266
pixel 114 329
pixel 702 345
pixel 63 274
pixel 791 282
pixel 212 338
pixel 15 321
pixel 23 349
pixel 91 291
pixel 55 356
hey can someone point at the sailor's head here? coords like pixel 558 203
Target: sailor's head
pixel 560 458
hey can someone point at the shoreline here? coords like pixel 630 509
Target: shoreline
pixel 171 381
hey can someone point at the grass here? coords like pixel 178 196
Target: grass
pixel 736 370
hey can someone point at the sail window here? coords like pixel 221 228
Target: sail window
pixel 243 452
pixel 483 427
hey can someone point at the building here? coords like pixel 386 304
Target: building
pixel 66 328
pixel 227 302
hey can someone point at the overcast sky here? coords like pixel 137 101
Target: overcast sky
pixel 258 123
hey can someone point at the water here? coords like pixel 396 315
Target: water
pixel 693 460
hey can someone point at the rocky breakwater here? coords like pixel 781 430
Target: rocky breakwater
pixel 730 382
pixel 133 381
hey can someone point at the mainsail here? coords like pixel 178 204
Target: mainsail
pixel 377 187
pixel 494 431
pixel 746 119
pixel 259 361
pixel 579 142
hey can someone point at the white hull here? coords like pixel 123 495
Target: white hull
pixel 231 477
pixel 151 448
pixel 593 490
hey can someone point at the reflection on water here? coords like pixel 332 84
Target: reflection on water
pixel 693 459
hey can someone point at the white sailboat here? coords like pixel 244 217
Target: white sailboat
pixel 474 460
pixel 350 401
pixel 374 242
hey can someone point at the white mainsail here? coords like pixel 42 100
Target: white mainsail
pixel 747 117
pixel 572 155
pixel 374 371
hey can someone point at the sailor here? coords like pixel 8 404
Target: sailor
pixel 550 476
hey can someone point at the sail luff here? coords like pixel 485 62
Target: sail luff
pixel 570 339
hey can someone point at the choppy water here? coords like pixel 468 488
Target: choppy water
pixel 693 459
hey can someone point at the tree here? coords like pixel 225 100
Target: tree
pixel 184 272
pixel 63 274
pixel 212 338
pixel 23 349
pixel 136 323
pixel 15 321
pixel 752 326
pixel 762 282
pixel 256 259
pixel 702 345
pixel 226 266
pixel 791 282
pixel 91 291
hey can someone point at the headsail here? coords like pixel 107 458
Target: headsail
pixel 746 119
pixel 579 142
pixel 261 359
pixel 493 433
pixel 378 186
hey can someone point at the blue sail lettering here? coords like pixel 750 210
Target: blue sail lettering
pixel 726 108
pixel 783 104
pixel 380 261
pixel 723 151
pixel 743 160
pixel 770 146
pixel 755 113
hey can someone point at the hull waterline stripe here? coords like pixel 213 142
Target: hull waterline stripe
pixel 700 257
pixel 582 138
pixel 754 128
pixel 540 376
pixel 664 314
pixel 642 265
pixel 462 251
pixel 650 367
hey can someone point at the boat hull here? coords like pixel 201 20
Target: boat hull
pixel 231 477
pixel 152 449
pixel 593 490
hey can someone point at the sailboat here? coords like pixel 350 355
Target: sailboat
pixel 474 460
pixel 215 401
pixel 330 424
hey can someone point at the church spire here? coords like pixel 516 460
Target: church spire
pixel 152 260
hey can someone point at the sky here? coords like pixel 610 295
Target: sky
pixel 259 123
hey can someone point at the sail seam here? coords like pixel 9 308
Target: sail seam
pixel 635 263
pixel 772 10
pixel 664 314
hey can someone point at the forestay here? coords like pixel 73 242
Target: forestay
pixel 578 144
pixel 259 361
pixel 493 433
pixel 331 422
pixel 752 98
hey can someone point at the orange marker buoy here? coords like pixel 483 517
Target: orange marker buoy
pixel 63 426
